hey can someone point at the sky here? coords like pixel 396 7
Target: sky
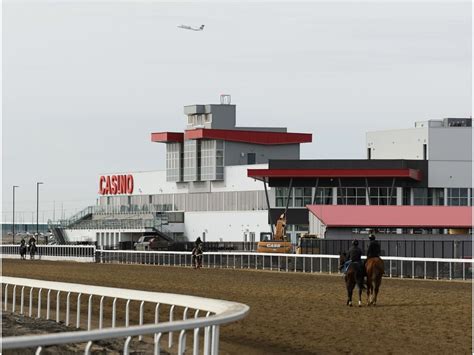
pixel 85 83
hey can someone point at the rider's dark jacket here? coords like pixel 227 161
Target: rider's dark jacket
pixel 374 249
pixel 355 253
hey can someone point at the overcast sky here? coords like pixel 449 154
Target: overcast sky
pixel 85 83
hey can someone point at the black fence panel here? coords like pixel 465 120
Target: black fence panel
pixel 403 248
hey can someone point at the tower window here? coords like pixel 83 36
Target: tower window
pixel 251 158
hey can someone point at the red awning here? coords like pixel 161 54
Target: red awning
pixel 167 137
pixel 393 216
pixel 254 137
pixel 414 174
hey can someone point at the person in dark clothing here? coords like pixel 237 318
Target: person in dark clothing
pixel 373 251
pixel 31 241
pixel 354 255
pixel 198 241
pixel 197 253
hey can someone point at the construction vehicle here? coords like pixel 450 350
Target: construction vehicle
pixel 276 243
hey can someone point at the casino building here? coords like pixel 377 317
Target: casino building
pixel 204 190
pixel 228 183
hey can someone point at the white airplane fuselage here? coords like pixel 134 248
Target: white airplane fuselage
pixel 191 28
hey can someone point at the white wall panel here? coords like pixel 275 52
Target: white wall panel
pixel 228 226
pixel 397 143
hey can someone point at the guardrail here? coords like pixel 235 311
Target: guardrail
pixel 403 267
pixel 80 253
pixel 196 313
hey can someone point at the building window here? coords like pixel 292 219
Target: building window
pixel 281 194
pixel 190 161
pixel 323 196
pixel 174 161
pixel 420 196
pixel 457 197
pixel 302 196
pixel 406 200
pixel 212 160
pixel 251 158
pixel 381 196
pixel 436 197
pixel 351 196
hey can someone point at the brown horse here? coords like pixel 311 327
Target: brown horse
pixel 354 276
pixel 374 269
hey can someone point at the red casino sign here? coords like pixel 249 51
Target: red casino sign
pixel 116 184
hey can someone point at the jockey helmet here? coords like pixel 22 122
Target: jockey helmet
pixel 355 242
pixel 372 237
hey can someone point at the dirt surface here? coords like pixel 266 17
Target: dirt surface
pixel 16 325
pixel 298 313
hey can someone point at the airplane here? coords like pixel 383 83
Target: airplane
pixel 191 28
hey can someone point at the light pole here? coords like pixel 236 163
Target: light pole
pixel 37 209
pixel 13 219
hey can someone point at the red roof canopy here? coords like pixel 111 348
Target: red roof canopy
pixel 167 137
pixel 393 216
pixel 414 174
pixel 255 137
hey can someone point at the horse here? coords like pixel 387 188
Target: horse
pixel 354 276
pixel 374 269
pixel 23 251
pixel 197 257
pixel 32 250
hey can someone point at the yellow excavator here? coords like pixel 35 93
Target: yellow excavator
pixel 276 243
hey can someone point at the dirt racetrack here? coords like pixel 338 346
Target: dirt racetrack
pixel 297 313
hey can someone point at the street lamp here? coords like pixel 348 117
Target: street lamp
pixel 13 221
pixel 37 209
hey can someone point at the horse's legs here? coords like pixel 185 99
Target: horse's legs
pixel 376 291
pixel 369 287
pixel 350 288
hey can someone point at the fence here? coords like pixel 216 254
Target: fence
pixel 395 266
pixel 80 253
pixel 403 267
pixel 197 315
pixel 402 247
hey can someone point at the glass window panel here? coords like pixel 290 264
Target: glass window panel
pixel 360 200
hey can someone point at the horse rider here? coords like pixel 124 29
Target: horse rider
pixel 197 252
pixel 198 242
pixel 374 250
pixel 31 241
pixel 22 248
pixel 354 255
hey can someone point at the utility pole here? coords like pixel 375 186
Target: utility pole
pixel 37 209
pixel 13 219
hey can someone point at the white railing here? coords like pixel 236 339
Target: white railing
pixel 403 267
pixel 81 253
pixel 197 315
